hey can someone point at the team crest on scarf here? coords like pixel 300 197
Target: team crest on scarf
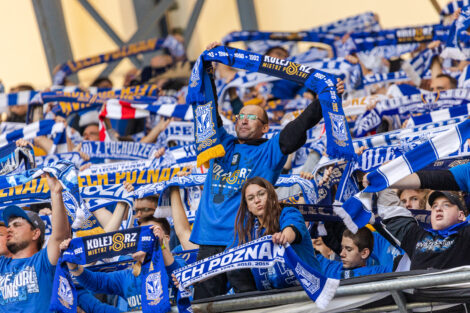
pixel 309 281
pixel 195 78
pixel 153 288
pixel 205 126
pixel 338 125
pixel 65 293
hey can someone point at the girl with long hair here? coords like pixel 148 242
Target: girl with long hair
pixel 260 214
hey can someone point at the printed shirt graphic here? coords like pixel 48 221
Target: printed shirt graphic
pixel 220 200
pixel 428 250
pixel 26 284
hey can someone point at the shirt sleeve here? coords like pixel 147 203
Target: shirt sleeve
pixel 292 217
pixel 110 283
pixel 329 268
pixel 88 303
pixel 462 176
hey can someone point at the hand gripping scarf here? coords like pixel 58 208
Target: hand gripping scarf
pixel 261 253
pixel 89 249
pixel 203 99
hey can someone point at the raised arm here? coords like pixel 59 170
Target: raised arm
pixel 59 220
pixel 112 221
pixel 294 135
pixel 180 220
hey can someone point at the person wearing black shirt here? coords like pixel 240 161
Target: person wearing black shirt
pixel 445 245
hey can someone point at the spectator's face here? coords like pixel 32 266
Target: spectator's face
pixel 91 133
pixel 320 246
pixel 20 235
pixel 412 199
pixel 350 254
pixel 440 84
pixel 3 240
pixel 256 197
pixel 144 208
pixel 20 110
pixel 249 129
pixel 445 214
pixel 278 53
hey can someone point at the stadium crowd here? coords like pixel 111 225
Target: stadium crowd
pixel 87 174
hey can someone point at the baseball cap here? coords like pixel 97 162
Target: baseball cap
pixel 32 217
pixel 454 199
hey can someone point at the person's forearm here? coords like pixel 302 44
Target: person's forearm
pixel 294 135
pixel 59 220
pixel 44 143
pixel 115 221
pixel 409 182
pixel 438 180
pixel 152 136
pixel 60 227
pixel 180 220
pixel 168 258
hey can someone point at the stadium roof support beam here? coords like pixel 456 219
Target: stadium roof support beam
pixel 145 27
pixel 247 14
pixel 189 29
pixel 51 24
pixel 106 28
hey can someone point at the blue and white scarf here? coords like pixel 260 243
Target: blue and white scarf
pixel 90 249
pixel 136 177
pixel 404 106
pixel 461 111
pixel 66 173
pixel 455 44
pixel 339 140
pixel 15 159
pixel 119 150
pixel 40 128
pixel 176 49
pixel 16 98
pixel 73 157
pixel 261 253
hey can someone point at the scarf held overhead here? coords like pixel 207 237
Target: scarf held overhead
pixel 203 98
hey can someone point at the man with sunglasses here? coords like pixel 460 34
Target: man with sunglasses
pixel 246 155
pixel 145 207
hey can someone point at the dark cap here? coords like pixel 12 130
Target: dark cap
pixel 32 217
pixel 454 199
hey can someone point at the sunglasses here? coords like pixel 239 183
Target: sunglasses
pixel 252 117
pixel 144 210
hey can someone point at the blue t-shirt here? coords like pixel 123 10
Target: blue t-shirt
pixel 462 176
pixel 123 283
pixel 383 252
pixel 26 284
pixel 215 218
